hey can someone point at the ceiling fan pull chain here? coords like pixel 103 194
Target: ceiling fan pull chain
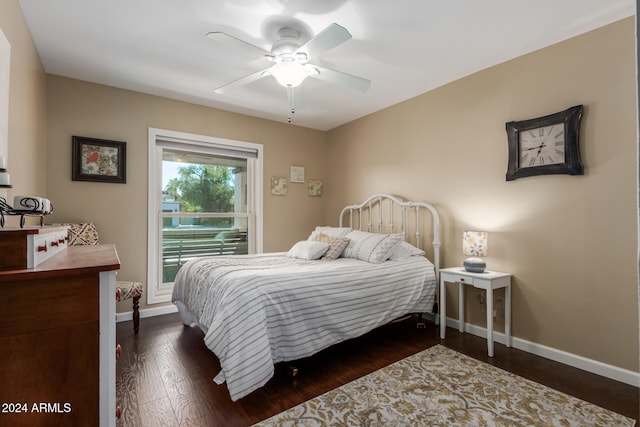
pixel 292 108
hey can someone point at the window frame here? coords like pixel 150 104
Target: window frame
pixel 157 138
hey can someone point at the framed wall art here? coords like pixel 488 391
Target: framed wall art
pixel 315 188
pixel 98 160
pixel 5 66
pixel 296 174
pixel 279 186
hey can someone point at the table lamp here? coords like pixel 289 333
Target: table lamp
pixel 475 244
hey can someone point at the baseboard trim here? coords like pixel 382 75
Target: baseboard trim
pixel 609 371
pixel 147 312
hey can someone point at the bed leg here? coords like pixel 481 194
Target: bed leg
pixel 292 370
pixel 420 324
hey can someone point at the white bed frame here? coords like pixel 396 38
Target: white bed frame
pixel 377 206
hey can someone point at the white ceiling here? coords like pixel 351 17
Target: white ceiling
pixel 405 47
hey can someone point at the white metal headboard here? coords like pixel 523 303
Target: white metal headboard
pixel 388 204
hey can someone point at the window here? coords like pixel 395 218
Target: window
pixel 205 199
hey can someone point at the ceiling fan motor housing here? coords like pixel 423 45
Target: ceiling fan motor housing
pixel 288 43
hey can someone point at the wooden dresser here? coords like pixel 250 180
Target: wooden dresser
pixel 57 334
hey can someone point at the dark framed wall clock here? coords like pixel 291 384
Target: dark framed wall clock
pixel 545 145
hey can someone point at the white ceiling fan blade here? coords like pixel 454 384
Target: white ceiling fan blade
pixel 326 39
pixel 235 42
pixel 243 81
pixel 340 78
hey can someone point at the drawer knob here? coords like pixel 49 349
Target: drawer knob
pixel 55 243
pixel 462 279
pixel 118 351
pixel 118 412
pixel 118 294
pixel 42 248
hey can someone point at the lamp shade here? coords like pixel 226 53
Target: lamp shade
pixel 475 244
pixel 289 74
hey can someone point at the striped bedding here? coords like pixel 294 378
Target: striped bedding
pixel 257 310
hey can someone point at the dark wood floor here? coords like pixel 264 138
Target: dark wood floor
pixel 164 376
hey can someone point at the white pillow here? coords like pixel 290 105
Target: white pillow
pixel 330 231
pixel 405 250
pixel 371 247
pixel 308 249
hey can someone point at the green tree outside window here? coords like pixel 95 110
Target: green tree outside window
pixel 203 188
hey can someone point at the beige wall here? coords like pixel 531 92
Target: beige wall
pixel 120 211
pixel 27 127
pixel 570 242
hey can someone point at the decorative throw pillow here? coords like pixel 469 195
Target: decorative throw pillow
pixel 371 247
pixel 404 250
pixel 308 249
pixel 336 245
pixel 330 231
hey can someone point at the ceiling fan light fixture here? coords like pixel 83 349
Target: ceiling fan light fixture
pixel 289 74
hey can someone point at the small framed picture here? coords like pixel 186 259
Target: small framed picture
pixel 98 160
pixel 297 174
pixel 315 188
pixel 279 186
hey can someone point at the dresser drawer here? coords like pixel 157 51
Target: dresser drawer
pixel 41 247
pixel 457 278
pixel 26 248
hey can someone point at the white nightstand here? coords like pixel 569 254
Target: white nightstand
pixel 489 280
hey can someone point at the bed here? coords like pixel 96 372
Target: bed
pixel 341 282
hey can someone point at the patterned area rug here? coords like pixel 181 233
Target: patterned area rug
pixel 441 387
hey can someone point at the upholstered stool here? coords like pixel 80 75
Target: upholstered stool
pixel 86 233
pixel 133 290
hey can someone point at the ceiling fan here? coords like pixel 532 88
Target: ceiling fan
pixel 291 61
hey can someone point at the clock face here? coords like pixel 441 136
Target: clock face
pixel 541 146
